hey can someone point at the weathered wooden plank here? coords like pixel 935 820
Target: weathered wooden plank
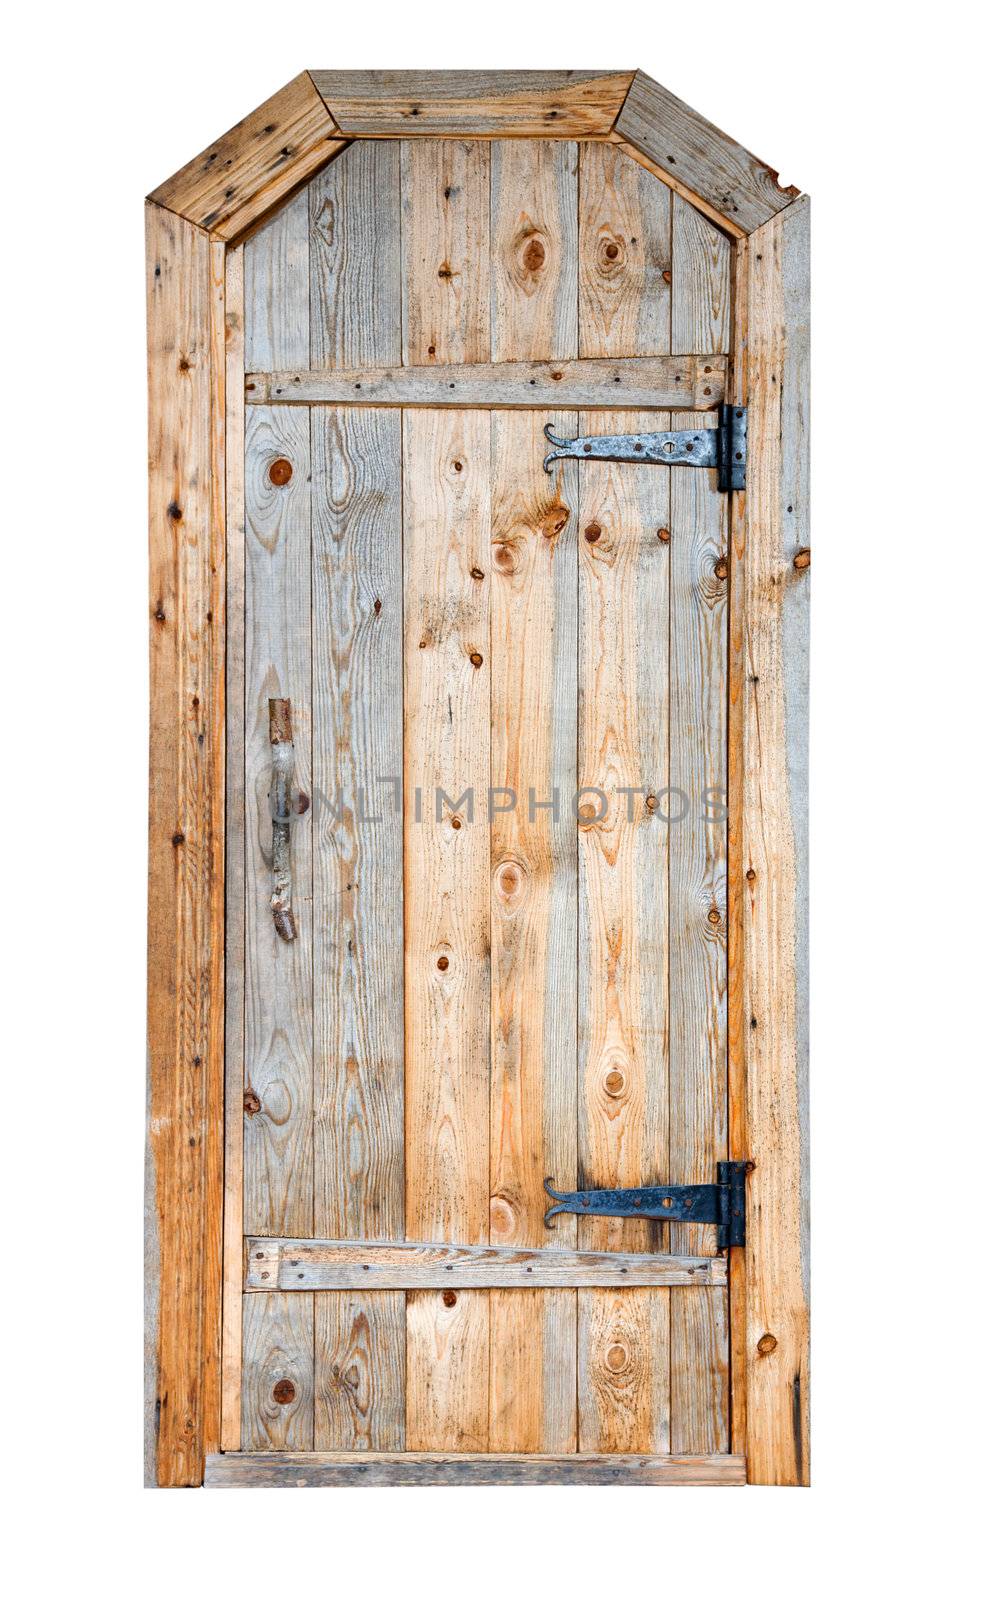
pixel 233 1171
pixel 446 509
pixel 533 908
pixel 355 298
pixel 622 946
pixel 697 382
pixel 727 224
pixel 698 778
pixel 368 1264
pixel 301 1470
pixel 186 405
pixel 447 1356
pixel 357 823
pixel 278 1054
pixel 623 1376
pixel 360 1374
pixel 556 105
pixel 775 848
pixel 277 1386
pixel 276 289
pixel 624 269
pixel 708 161
pixel 247 171
pixel 446 313
pixel 534 249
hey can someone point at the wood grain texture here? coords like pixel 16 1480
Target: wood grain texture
pixel 446 510
pixel 277 1386
pixel 357 823
pixel 446 315
pixel 248 171
pixel 775 848
pixel 549 104
pixel 367 1264
pixel 278 1054
pixel 708 161
pixel 447 1366
pixel 624 266
pixel 235 947
pixel 727 224
pixel 355 295
pixel 624 1371
pixel 534 249
pixel 697 382
pixel 698 738
pixel 299 1470
pixel 184 1203
pixel 533 910
pixel 360 1371
pixel 276 288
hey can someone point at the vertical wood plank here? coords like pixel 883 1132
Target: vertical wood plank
pixel 623 1359
pixel 622 930
pixel 624 256
pixel 360 1375
pixel 233 1209
pixel 533 249
pixel 533 917
pixel 446 511
pixel 278 1055
pixel 775 848
pixel 698 777
pixel 447 1345
pixel 355 300
pixel 185 289
pixel 277 1392
pixel 276 290
pixel 357 823
pixel 446 313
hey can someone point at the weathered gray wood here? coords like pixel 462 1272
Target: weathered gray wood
pixel 534 249
pixel 355 317
pixel 544 104
pixel 302 1470
pixel 698 743
pixel 360 1371
pixel 277 1384
pixel 699 155
pixel 357 822
pixel 697 382
pixel 371 1264
pixel 276 289
pixel 624 266
pixel 775 820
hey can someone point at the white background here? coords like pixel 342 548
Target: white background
pixel 874 109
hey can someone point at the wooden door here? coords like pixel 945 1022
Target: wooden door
pixel 508 700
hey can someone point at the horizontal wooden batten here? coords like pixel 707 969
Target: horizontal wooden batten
pixel 479 104
pixel 692 382
pixel 369 1264
pixel 371 1469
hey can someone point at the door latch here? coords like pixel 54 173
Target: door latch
pixel 723 1203
pixel 723 448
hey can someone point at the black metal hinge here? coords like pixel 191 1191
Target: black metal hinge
pixel 723 448
pixel 723 1203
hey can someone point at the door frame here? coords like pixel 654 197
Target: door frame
pixel 197 222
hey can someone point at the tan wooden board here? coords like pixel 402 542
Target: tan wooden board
pixel 231 185
pixel 367 1264
pixel 557 105
pixel 697 382
pixel 711 164
pixel 312 1470
pixel 186 442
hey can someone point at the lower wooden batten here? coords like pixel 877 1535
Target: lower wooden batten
pixel 313 1470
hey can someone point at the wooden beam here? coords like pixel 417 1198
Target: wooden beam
pixel 741 188
pixel 370 1264
pixel 695 382
pixel 186 437
pixel 725 223
pixel 230 186
pixel 371 1469
pixel 774 821
pixel 559 105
